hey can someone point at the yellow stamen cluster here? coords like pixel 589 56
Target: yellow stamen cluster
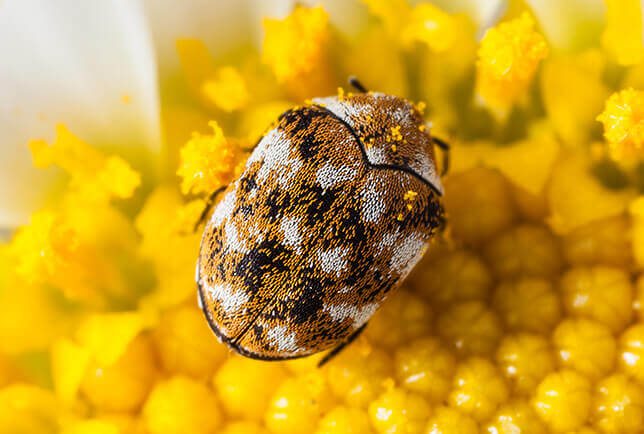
pixel 623 120
pixel 60 246
pixel 227 90
pixel 57 242
pixel 430 25
pixel 94 176
pixel 507 60
pixel 393 13
pixel 208 162
pixel 424 23
pixel 296 49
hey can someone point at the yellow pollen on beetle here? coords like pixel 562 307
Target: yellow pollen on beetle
pixel 421 127
pixel 420 107
pixel 340 94
pixel 410 195
pixel 395 133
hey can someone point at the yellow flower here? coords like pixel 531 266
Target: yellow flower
pixel 524 315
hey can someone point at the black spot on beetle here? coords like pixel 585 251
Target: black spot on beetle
pixel 303 135
pixel 300 119
pixel 317 201
pixel 258 330
pixel 276 312
pixel 245 210
pixel 248 183
pixel 310 299
pixel 267 257
pixel 277 201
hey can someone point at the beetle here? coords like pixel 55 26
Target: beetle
pixel 334 207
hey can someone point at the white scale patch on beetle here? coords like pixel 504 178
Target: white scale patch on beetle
pixel 332 260
pixel 405 251
pixel 426 169
pixel 401 115
pixel 373 204
pixel 412 263
pixel 329 175
pixel 284 340
pixel 291 230
pixel 278 160
pixel 342 109
pixel 224 209
pixel 376 155
pixel 230 301
pixel 257 231
pixel 388 241
pixel 349 112
pixel 233 241
pixel 358 315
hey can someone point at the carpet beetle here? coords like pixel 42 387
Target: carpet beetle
pixel 335 206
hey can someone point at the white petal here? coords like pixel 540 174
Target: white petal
pixel 70 61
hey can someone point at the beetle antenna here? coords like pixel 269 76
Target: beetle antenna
pixel 445 147
pixel 353 81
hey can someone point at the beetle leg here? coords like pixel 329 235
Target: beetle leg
pixel 445 147
pixel 210 202
pixel 442 223
pixel 357 85
pixel 334 352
